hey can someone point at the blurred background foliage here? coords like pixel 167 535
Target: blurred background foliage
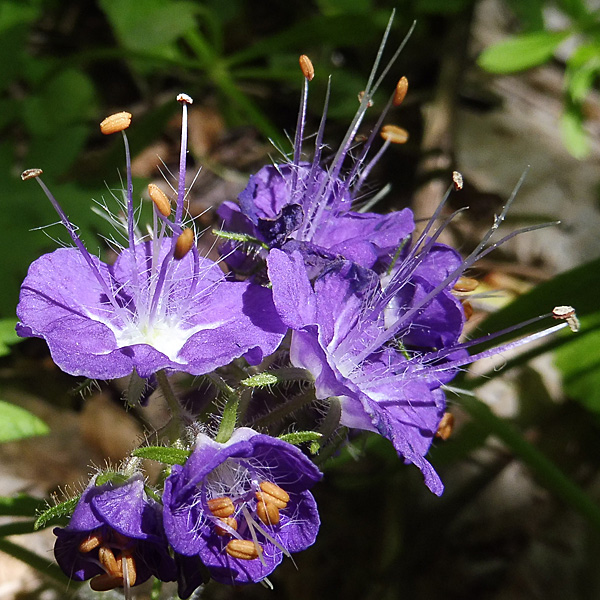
pixel 520 518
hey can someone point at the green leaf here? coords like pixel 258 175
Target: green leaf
pixel 573 133
pixel 64 509
pixel 442 7
pixel 8 335
pixel 167 456
pixel 521 52
pixel 21 505
pixel 300 437
pixel 17 423
pixel 579 363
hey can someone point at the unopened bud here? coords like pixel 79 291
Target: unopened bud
pixel 160 199
pixel 306 67
pixel 117 122
pixel 394 134
pixel 400 93
pixel 31 174
pixel 183 245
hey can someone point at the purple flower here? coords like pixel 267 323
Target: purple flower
pixel 241 506
pixel 159 306
pixel 385 345
pixel 115 537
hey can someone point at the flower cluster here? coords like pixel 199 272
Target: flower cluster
pixel 353 303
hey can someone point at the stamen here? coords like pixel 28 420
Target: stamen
pixel 230 522
pixel 91 542
pixel 160 199
pixel 185 101
pixel 394 134
pixel 242 549
pixel 126 564
pixel 306 67
pixel 468 310
pixel 105 582
pixel 31 174
pixel 445 427
pixel 466 284
pixel 457 178
pixel 221 507
pixel 108 561
pixel 115 123
pixel 400 93
pixel 273 493
pixel 267 512
pixel 567 313
pixel 184 243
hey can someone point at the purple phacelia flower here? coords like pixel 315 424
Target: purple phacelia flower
pixel 242 505
pixel 115 537
pixel 384 345
pixel 159 306
pixel 316 207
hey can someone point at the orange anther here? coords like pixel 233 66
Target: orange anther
pixel 117 122
pixel 184 243
pixel 230 522
pixel 221 507
pixel 468 310
pixel 400 93
pixel 394 134
pixel 465 284
pixel 160 199
pixel 306 67
pixel 105 582
pixel 242 549
pixel 267 512
pixel 130 564
pixel 108 561
pixel 274 494
pixel 90 542
pixel 445 427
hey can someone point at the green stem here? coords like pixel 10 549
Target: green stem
pixel 173 428
pixel 282 411
pixel 40 563
pixel 230 412
pixel 547 472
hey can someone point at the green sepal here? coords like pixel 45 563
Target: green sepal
pixel 111 477
pixel 260 380
pixel 243 238
pixel 64 509
pixel 162 454
pixel 300 437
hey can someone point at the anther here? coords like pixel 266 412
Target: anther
pixel 105 582
pixel 242 549
pixel 117 122
pixel 91 542
pixel 306 67
pixel 465 284
pixel 567 313
pixel 160 199
pixel 274 494
pixel 184 99
pixel 394 134
pixel 467 309
pixel 108 561
pixel 230 522
pixel 458 181
pixel 400 93
pixel 445 427
pixel 221 507
pixel 361 95
pixel 131 569
pixel 267 512
pixel 31 174
pixel 184 243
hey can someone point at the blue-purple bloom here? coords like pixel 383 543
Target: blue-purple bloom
pixel 242 505
pixel 115 537
pixel 159 306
